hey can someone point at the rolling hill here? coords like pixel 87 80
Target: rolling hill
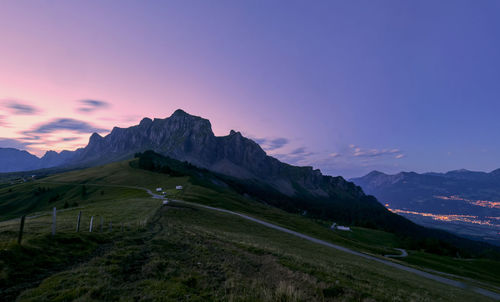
pixel 184 252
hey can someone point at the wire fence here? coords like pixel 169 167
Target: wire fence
pixel 62 221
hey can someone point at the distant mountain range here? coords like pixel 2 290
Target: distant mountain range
pixel 462 201
pixel 245 166
pixel 13 160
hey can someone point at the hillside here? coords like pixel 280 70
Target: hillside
pixel 364 211
pixel 183 250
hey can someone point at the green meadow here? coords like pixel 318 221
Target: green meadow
pixel 145 251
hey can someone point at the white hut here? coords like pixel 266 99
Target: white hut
pixel 343 228
pixel 178 187
pixel 159 189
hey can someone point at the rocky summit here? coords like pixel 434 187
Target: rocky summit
pixel 190 138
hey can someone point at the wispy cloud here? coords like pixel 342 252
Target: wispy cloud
pixel 87 106
pixel 277 143
pixel 298 156
pixel 13 143
pixel 64 124
pixel 300 150
pixel 271 144
pixel 351 159
pixel 69 139
pixel 3 121
pixel 19 108
pixel 371 153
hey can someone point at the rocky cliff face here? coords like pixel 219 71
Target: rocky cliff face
pixel 190 138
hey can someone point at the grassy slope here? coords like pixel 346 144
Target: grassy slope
pixel 192 254
pixel 127 205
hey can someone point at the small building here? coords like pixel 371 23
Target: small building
pixel 334 226
pixel 343 228
pixel 178 187
pixel 165 202
pixel 159 189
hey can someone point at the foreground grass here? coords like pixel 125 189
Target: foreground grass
pixel 193 254
pixel 23 266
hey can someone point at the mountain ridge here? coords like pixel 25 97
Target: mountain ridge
pixel 190 138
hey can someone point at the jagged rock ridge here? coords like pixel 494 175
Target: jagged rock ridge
pixel 190 138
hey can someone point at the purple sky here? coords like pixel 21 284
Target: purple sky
pixel 345 86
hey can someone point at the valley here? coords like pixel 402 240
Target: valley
pixel 462 202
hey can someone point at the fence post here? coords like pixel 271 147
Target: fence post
pixel 21 228
pixel 78 221
pixel 91 221
pixel 111 227
pixel 101 224
pixel 54 218
pixel 121 229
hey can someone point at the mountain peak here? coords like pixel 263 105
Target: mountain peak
pixel 375 173
pixel 232 132
pixel 50 153
pixel 145 121
pixel 95 137
pixel 180 112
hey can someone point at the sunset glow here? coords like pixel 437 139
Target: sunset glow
pixel 290 73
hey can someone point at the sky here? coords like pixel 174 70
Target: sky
pixel 343 86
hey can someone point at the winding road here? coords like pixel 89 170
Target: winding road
pixel 402 255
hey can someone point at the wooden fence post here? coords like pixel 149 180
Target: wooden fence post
pixel 21 228
pixel 121 229
pixel 54 218
pixel 111 227
pixel 78 221
pixel 91 221
pixel 101 224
